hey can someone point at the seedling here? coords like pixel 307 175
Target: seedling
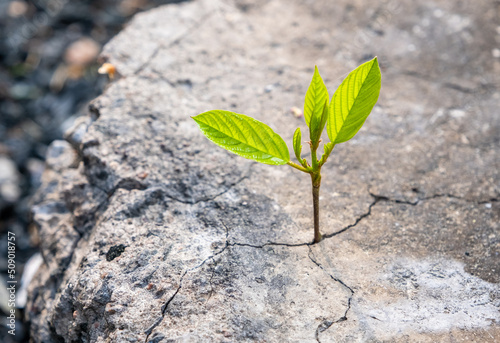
pixel 343 116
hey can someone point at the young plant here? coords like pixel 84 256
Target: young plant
pixel 343 116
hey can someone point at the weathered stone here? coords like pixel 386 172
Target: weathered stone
pixel 61 155
pixel 159 236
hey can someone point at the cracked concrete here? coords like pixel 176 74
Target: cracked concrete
pixel 248 287
pixel 152 234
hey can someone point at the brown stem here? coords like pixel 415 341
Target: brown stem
pixel 316 182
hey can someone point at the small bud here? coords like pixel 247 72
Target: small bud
pixel 107 68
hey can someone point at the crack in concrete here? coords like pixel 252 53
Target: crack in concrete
pixel 203 199
pixel 356 222
pixel 325 325
pixel 292 245
pixel 164 308
pixel 430 197
pixel 378 198
pixel 322 327
pixel 187 33
pixel 133 184
pixel 181 82
pixel 231 185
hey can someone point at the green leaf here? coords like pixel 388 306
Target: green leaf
pixel 314 102
pixel 318 124
pixel 297 147
pixel 353 101
pixel 327 150
pixel 244 136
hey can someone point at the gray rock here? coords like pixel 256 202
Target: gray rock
pixel 76 132
pixel 153 234
pixel 61 155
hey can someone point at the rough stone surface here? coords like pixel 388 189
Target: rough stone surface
pixel 158 236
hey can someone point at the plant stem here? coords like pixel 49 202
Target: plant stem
pixel 316 182
pixel 314 158
pixel 315 171
pixel 299 167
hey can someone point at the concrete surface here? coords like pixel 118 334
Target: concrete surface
pixel 153 234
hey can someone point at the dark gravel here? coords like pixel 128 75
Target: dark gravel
pixel 48 73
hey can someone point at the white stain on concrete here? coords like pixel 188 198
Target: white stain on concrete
pixel 429 296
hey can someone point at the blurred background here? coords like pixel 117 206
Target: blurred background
pixel 48 73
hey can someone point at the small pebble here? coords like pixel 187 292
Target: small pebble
pixel 297 112
pixel 17 9
pixel 9 179
pixel 82 52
